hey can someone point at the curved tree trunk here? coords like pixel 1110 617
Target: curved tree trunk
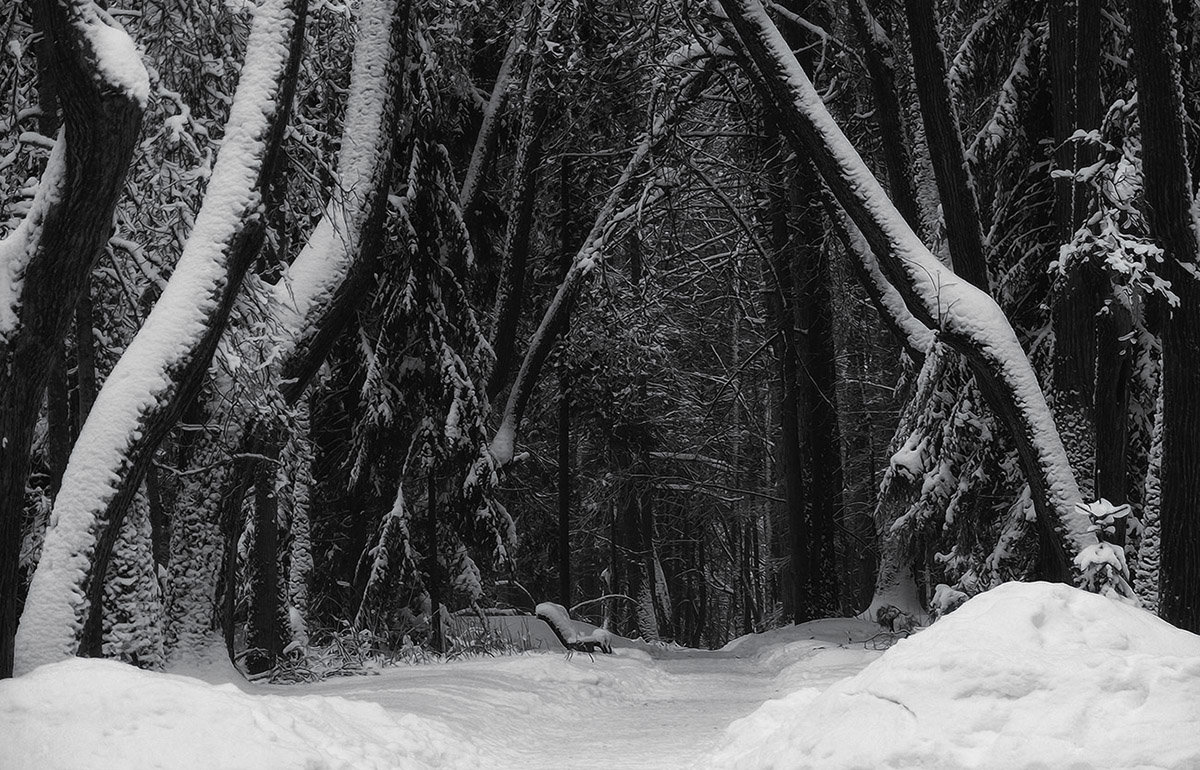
pixel 320 291
pixel 57 244
pixel 164 366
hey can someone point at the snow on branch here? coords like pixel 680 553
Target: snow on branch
pixel 967 319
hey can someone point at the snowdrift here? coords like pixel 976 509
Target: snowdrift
pixel 1033 674
pixel 87 713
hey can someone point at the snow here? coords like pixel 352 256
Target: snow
pixel 1039 675
pixel 18 247
pixel 120 716
pixel 143 377
pixel 1024 675
pixel 118 62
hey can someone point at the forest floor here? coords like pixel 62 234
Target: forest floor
pixel 1025 675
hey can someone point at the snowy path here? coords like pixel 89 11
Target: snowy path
pixel 1022 676
pixel 628 710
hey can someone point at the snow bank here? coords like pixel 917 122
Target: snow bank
pixel 94 713
pixel 1033 674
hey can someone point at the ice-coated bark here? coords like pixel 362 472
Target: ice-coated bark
pixel 44 264
pixel 145 392
pixel 967 319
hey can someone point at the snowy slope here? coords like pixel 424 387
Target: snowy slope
pixel 1024 675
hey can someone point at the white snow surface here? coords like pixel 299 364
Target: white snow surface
pixel 118 62
pixel 55 607
pixel 1025 675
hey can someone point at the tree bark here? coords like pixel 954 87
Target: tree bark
pixel 159 373
pixel 1167 190
pixel 893 134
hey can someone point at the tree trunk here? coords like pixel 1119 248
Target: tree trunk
pixel 893 134
pixel 264 634
pixel 1168 202
pixel 960 210
pixel 56 246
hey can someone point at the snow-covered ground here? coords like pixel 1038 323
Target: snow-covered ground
pixel 1025 675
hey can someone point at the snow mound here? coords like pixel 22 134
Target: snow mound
pixel 84 713
pixel 1025 675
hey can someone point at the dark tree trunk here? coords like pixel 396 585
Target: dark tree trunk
pixel 960 210
pixel 822 440
pixel 433 571
pixel 893 134
pixel 1167 191
pixel 566 238
pixel 780 310
pixel 1074 66
pixel 85 356
pixel 264 634
pixel 101 130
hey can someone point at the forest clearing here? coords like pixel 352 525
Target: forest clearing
pixel 725 342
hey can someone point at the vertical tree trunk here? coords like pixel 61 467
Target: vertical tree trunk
pixel 960 210
pixel 433 571
pixel 780 311
pixel 264 635
pixel 893 134
pixel 1075 96
pixel 1168 197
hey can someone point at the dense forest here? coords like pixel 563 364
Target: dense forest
pixel 322 320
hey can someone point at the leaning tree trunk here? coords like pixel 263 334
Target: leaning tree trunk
pixel 969 320
pixel 102 90
pixel 164 365
pixel 1168 198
